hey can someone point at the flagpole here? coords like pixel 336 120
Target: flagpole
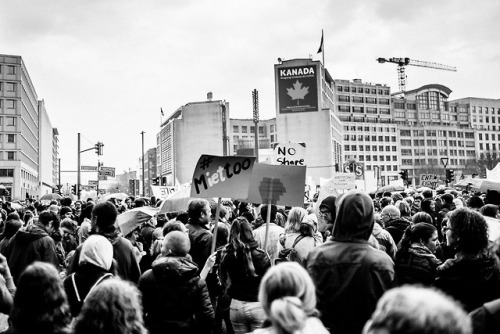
pixel 323 39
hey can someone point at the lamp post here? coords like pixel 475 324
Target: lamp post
pixel 143 184
pixel 444 161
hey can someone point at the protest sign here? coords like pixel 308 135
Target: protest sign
pixel 162 191
pixel 216 176
pixel 289 154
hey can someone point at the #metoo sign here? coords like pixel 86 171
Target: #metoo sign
pixel 290 154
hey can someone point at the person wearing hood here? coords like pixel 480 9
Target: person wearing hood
pixel 174 297
pixel 95 265
pixel 33 245
pixel 326 214
pixel 349 274
pixel 103 222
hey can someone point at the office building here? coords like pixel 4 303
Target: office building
pixel 28 143
pixel 192 130
pixel 243 135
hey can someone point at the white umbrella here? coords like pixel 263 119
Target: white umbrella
pixel 481 185
pixel 179 201
pixel 120 196
pixel 131 219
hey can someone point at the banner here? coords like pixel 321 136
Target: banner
pixel 279 185
pixel 343 181
pixel 216 176
pixel 297 88
pixel 289 154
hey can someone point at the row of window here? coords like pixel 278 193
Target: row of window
pixel 367 138
pixel 440 133
pixel 9 69
pixel 369 148
pixel 6 172
pixel 244 129
pixel 486 119
pixel 368 128
pixel 487 146
pixel 361 90
pixel 10 155
pixel 364 119
pixel 360 99
pixel 433 161
pixel 486 110
pixel 434 142
pixel 434 152
pixel 368 110
pixel 381 158
pixel 487 136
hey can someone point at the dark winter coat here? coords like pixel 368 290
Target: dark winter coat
pixel 416 265
pixel 201 243
pixel 243 286
pixel 85 278
pixel 397 227
pixel 472 282
pixel 174 298
pixel 350 275
pixel 123 253
pixel 26 247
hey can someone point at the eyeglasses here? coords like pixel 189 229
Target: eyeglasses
pixel 324 213
pixel 446 228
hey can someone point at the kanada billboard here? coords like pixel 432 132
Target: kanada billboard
pixel 298 88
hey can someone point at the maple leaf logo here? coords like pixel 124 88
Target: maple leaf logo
pixel 298 92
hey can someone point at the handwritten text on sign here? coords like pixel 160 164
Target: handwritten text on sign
pixel 216 176
pixel 290 154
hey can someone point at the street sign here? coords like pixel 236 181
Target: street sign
pixel 92 182
pixel 358 168
pixel 92 168
pixel 107 171
pixel 102 177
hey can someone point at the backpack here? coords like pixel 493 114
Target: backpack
pixel 289 254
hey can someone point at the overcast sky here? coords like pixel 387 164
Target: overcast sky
pixel 104 68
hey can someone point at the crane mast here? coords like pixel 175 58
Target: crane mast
pixel 403 62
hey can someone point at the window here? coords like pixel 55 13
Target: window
pixel 244 129
pixel 272 138
pixel 261 130
pixel 10 155
pixel 10 138
pixel 343 98
pixel 10 121
pixel 11 69
pixel 235 128
pixel 399 105
pixel 252 129
pixel 6 172
pixel 271 128
pixel 10 104
pixel 10 86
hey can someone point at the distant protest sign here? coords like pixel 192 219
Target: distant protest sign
pixel 428 180
pixel 290 154
pixel 279 185
pixel 343 181
pixel 162 191
pixel 217 176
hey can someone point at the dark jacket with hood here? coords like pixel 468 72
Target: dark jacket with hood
pixel 123 253
pixel 174 298
pixel 350 275
pixel 328 203
pixel 397 227
pixel 29 246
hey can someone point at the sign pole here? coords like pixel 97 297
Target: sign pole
pixel 268 218
pixel 214 232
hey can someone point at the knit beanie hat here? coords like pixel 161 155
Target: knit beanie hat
pixel 64 210
pixel 98 251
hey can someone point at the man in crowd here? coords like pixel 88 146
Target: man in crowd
pixel 349 274
pixel 273 245
pixel 175 298
pixel 199 213
pixel 27 247
pixel 103 222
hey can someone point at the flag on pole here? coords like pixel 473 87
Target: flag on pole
pixel 161 110
pixel 321 44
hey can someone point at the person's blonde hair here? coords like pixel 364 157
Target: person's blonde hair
pixel 295 217
pixel 288 296
pixel 114 306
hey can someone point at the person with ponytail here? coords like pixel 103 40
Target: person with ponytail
pixel 288 296
pixel 415 260
pixel 242 267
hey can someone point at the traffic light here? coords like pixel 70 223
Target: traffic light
pixel 450 175
pixel 73 189
pixel 98 148
pixel 404 176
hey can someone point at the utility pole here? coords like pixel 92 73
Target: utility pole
pixel 78 170
pixel 255 103
pixel 59 185
pixel 143 184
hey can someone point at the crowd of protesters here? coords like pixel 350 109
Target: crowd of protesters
pixel 402 262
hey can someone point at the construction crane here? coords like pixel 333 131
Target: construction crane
pixel 403 62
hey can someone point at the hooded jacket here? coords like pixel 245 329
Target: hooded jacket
pixel 174 298
pixel 350 275
pixel 328 203
pixel 26 247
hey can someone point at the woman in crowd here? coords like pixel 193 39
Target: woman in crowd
pixel 415 260
pixel 95 265
pixel 113 307
pixel 421 217
pixel 306 239
pixel 40 304
pixel 288 296
pixel 243 265
pixel 472 276
pixel 429 206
